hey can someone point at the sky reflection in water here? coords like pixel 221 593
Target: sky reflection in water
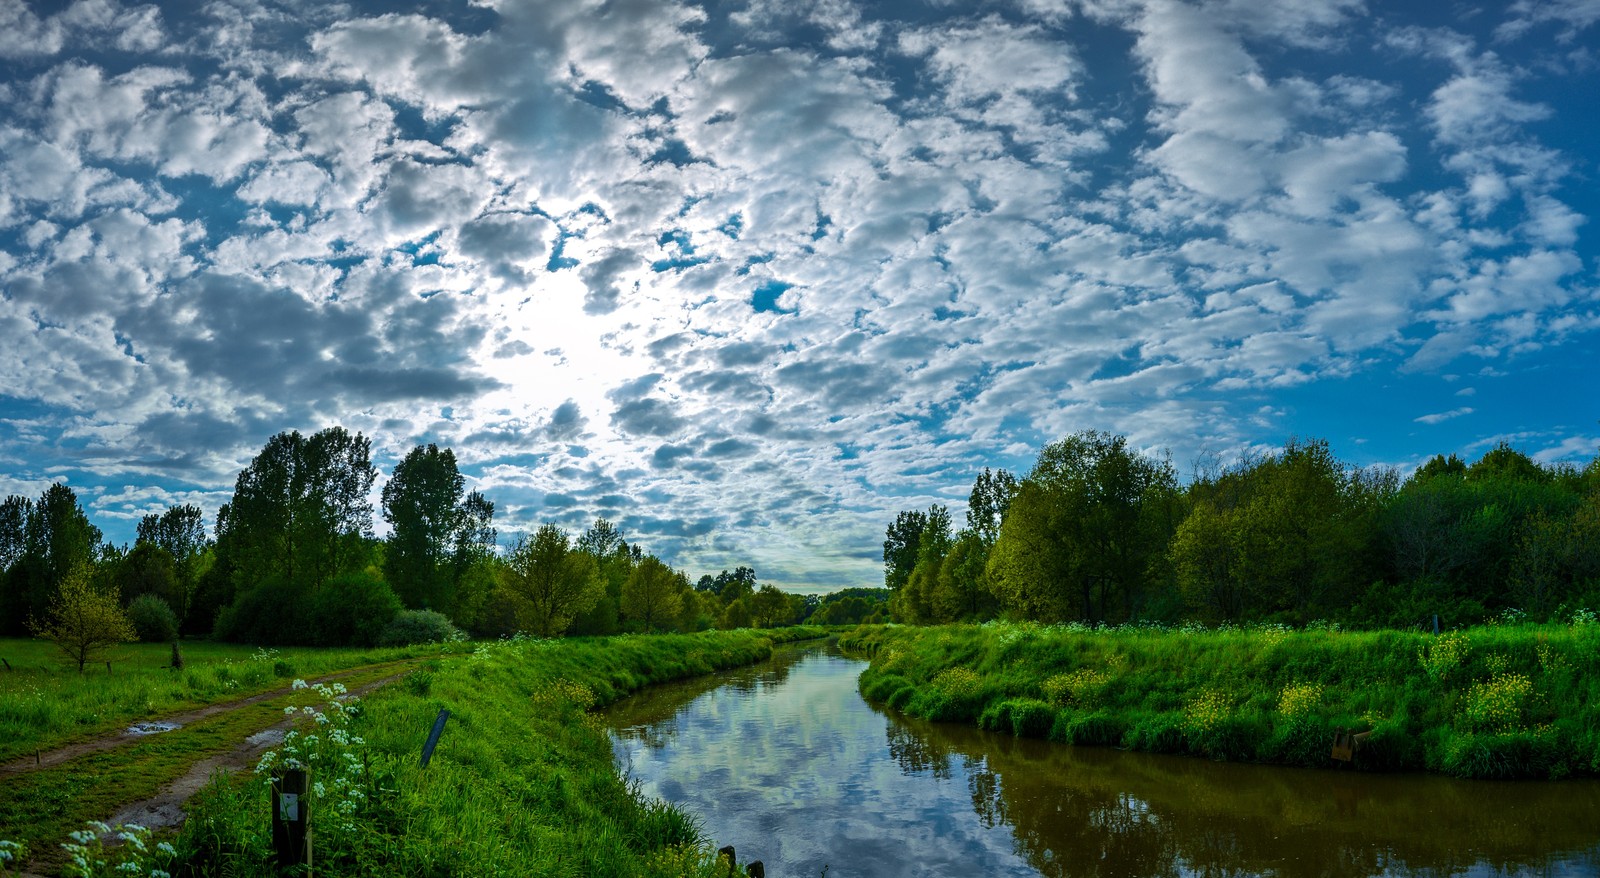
pixel 787 763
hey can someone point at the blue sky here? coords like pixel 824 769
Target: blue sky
pixel 748 278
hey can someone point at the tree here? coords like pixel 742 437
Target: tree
pixel 180 531
pixel 602 539
pixel 553 581
pixel 729 587
pixel 650 594
pixel 300 511
pixel 989 502
pixel 84 620
pixel 13 526
pixel 57 539
pixel 13 579
pixel 1085 530
pixel 961 591
pixel 914 601
pixel 769 607
pixel 146 569
pixel 431 523
pixel 900 546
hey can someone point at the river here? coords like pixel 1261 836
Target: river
pixel 786 762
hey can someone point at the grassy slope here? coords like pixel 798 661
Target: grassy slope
pixel 1519 701
pixel 522 782
pixel 44 703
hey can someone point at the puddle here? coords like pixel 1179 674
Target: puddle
pixel 152 728
pixel 266 738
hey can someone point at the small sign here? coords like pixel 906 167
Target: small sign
pixel 289 806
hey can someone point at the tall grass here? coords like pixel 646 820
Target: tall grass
pixel 1490 702
pixel 522 781
pixel 44 703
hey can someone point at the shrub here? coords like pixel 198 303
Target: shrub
pixel 153 619
pixel 420 626
pixel 353 610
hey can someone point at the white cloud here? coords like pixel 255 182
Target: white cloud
pixel 1441 417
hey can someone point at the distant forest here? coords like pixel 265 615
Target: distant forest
pixel 1099 533
pixel 293 560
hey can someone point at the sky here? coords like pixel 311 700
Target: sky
pixel 748 278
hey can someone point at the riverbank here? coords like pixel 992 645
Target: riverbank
pixel 1492 702
pixel 521 781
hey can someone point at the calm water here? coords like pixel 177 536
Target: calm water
pixel 788 764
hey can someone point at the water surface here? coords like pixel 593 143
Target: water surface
pixel 786 762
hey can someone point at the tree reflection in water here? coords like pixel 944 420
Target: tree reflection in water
pixel 786 759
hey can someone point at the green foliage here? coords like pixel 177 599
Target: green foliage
pixel 419 626
pixel 551 582
pixel 651 596
pixel 1497 701
pixel 84 620
pixel 153 619
pixel 437 531
pixel 352 609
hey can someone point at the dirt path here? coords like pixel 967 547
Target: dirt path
pixel 165 809
pixel 113 740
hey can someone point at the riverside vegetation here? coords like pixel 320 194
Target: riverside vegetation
pixel 522 782
pixel 1496 701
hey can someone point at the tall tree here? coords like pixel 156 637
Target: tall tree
pixel 989 502
pixel 57 539
pixel 553 581
pixel 901 543
pixel 422 502
pixel 300 512
pixel 915 600
pixel 13 578
pixel 181 532
pixel 650 596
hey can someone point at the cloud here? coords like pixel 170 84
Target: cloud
pixel 1441 417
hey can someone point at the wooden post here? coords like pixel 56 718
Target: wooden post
pixel 755 870
pixel 727 853
pixel 291 820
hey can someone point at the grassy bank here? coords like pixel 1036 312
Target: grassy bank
pixel 45 703
pixel 522 781
pixel 1491 702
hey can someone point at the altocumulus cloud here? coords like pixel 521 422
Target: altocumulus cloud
pixel 750 279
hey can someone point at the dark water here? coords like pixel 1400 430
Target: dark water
pixel 787 763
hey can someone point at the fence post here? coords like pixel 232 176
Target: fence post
pixel 291 820
pixel 433 736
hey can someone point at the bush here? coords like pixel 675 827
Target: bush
pixel 353 610
pixel 419 626
pixel 153 618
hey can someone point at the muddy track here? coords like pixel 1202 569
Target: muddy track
pixel 126 737
pixel 165 809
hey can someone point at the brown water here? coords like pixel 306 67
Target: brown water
pixel 787 763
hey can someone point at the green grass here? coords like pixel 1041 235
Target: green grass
pixel 522 782
pixel 45 703
pixel 1491 702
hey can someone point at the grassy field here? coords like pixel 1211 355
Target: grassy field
pixel 522 782
pixel 1490 702
pixel 45 703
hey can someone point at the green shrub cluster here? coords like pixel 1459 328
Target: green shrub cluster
pixel 1490 702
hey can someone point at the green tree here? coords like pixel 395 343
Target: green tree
pixel 300 511
pixel 901 543
pixel 57 539
pixel 433 523
pixel 147 569
pixel 180 531
pixel 962 591
pixel 650 596
pixel 989 503
pixel 13 578
pixel 1087 528
pixel 769 607
pixel 915 600
pixel 553 581
pixel 84 620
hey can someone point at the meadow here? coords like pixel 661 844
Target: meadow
pixel 522 781
pixel 1496 701
pixel 44 703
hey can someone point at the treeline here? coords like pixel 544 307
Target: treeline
pixel 293 560
pixel 1099 533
